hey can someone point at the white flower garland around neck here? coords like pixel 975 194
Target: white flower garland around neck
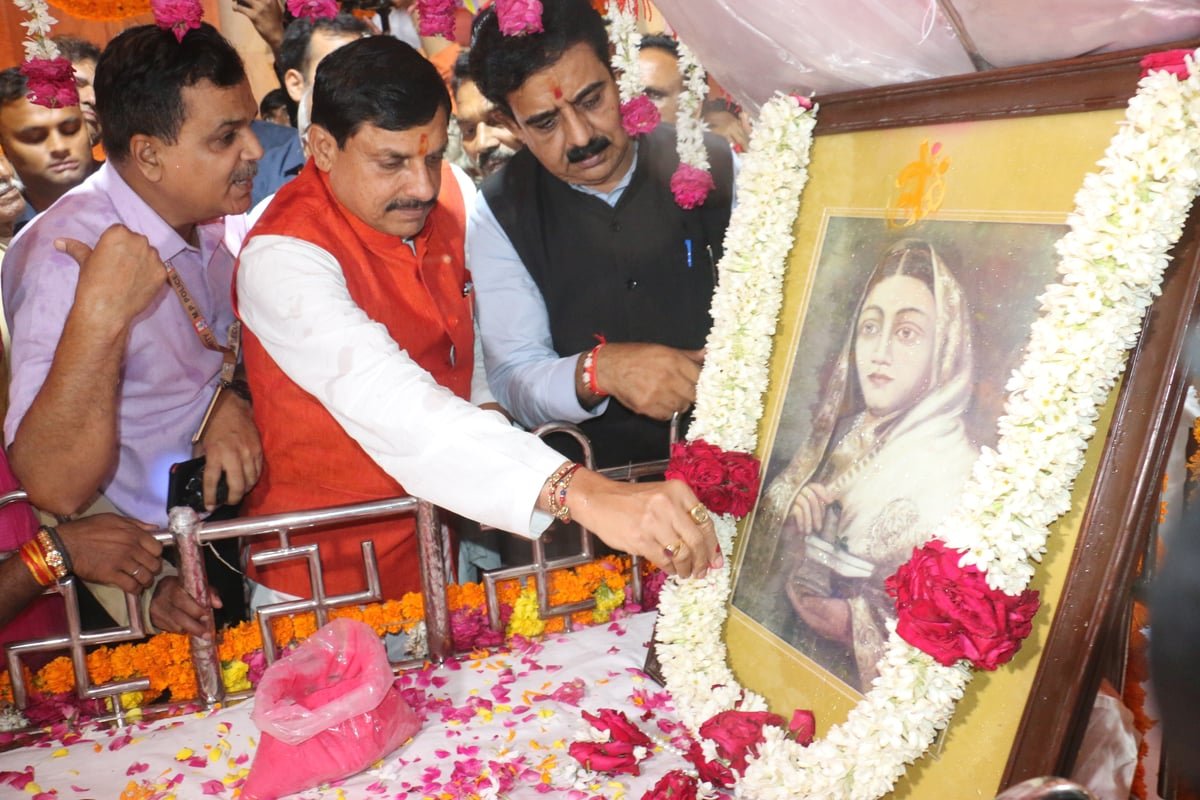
pixel 689 127
pixel 626 42
pixel 1127 217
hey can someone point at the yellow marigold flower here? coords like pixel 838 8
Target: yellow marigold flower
pixel 525 620
pixel 233 675
pixel 131 700
pixel 607 601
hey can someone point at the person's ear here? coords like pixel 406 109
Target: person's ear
pixel 146 154
pixel 322 147
pixel 293 81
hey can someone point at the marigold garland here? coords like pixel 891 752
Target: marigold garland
pixel 104 10
pixel 165 659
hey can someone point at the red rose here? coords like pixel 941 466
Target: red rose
pixel 675 785
pixel 738 734
pixel 618 726
pixel 1171 61
pixel 51 82
pixel 698 464
pixel 803 726
pixel 711 772
pixel 725 481
pixel 614 757
pixel 951 613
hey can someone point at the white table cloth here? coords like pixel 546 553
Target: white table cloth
pixel 512 713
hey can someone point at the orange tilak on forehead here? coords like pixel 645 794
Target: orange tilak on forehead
pixel 423 146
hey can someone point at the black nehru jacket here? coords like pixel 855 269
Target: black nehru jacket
pixel 640 272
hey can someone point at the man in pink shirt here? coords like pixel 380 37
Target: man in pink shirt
pixel 108 387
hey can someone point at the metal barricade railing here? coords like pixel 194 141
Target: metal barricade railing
pixel 541 567
pixel 188 535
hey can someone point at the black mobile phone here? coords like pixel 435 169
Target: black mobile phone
pixel 185 487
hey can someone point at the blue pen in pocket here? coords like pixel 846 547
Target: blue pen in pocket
pixel 687 244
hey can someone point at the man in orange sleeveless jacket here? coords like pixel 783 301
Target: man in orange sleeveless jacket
pixel 360 348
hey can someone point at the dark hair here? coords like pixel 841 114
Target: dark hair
pixel 379 80
pixel 462 71
pixel 271 101
pixel 501 64
pixel 74 49
pixel 13 86
pixel 658 42
pixel 720 104
pixel 293 51
pixel 141 76
pixel 911 257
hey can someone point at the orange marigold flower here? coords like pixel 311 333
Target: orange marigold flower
pixel 99 666
pixel 412 607
pixel 56 677
pixel 304 625
pixel 281 627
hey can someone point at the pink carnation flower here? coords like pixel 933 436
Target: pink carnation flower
pixel 691 186
pixel 1172 61
pixel 519 16
pixel 313 9
pixel 51 82
pixel 437 18
pixel 803 100
pixel 639 115
pixel 177 16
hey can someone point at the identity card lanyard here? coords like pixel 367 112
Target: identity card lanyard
pixel 229 352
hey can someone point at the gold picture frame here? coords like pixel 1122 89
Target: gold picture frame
pixel 973 154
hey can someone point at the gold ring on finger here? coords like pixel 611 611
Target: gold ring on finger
pixel 136 571
pixel 698 513
pixel 673 550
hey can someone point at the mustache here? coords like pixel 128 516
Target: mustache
pixel 246 172
pixel 594 147
pixel 411 205
pixel 495 157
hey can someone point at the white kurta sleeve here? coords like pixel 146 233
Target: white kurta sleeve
pixel 293 297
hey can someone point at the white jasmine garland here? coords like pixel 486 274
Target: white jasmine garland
pixel 626 42
pixel 37 41
pixel 1127 217
pixel 689 127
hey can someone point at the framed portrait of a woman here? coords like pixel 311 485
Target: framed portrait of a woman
pixel 925 238
pixel 898 384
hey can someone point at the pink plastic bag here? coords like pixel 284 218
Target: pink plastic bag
pixel 326 711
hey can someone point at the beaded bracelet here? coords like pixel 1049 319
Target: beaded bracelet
pixel 589 372
pixel 58 546
pixel 52 553
pixel 560 482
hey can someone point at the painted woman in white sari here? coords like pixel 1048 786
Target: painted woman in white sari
pixel 885 462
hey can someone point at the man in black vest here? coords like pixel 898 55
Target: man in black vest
pixel 591 281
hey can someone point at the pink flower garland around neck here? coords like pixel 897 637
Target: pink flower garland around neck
pixel 177 16
pixel 518 17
